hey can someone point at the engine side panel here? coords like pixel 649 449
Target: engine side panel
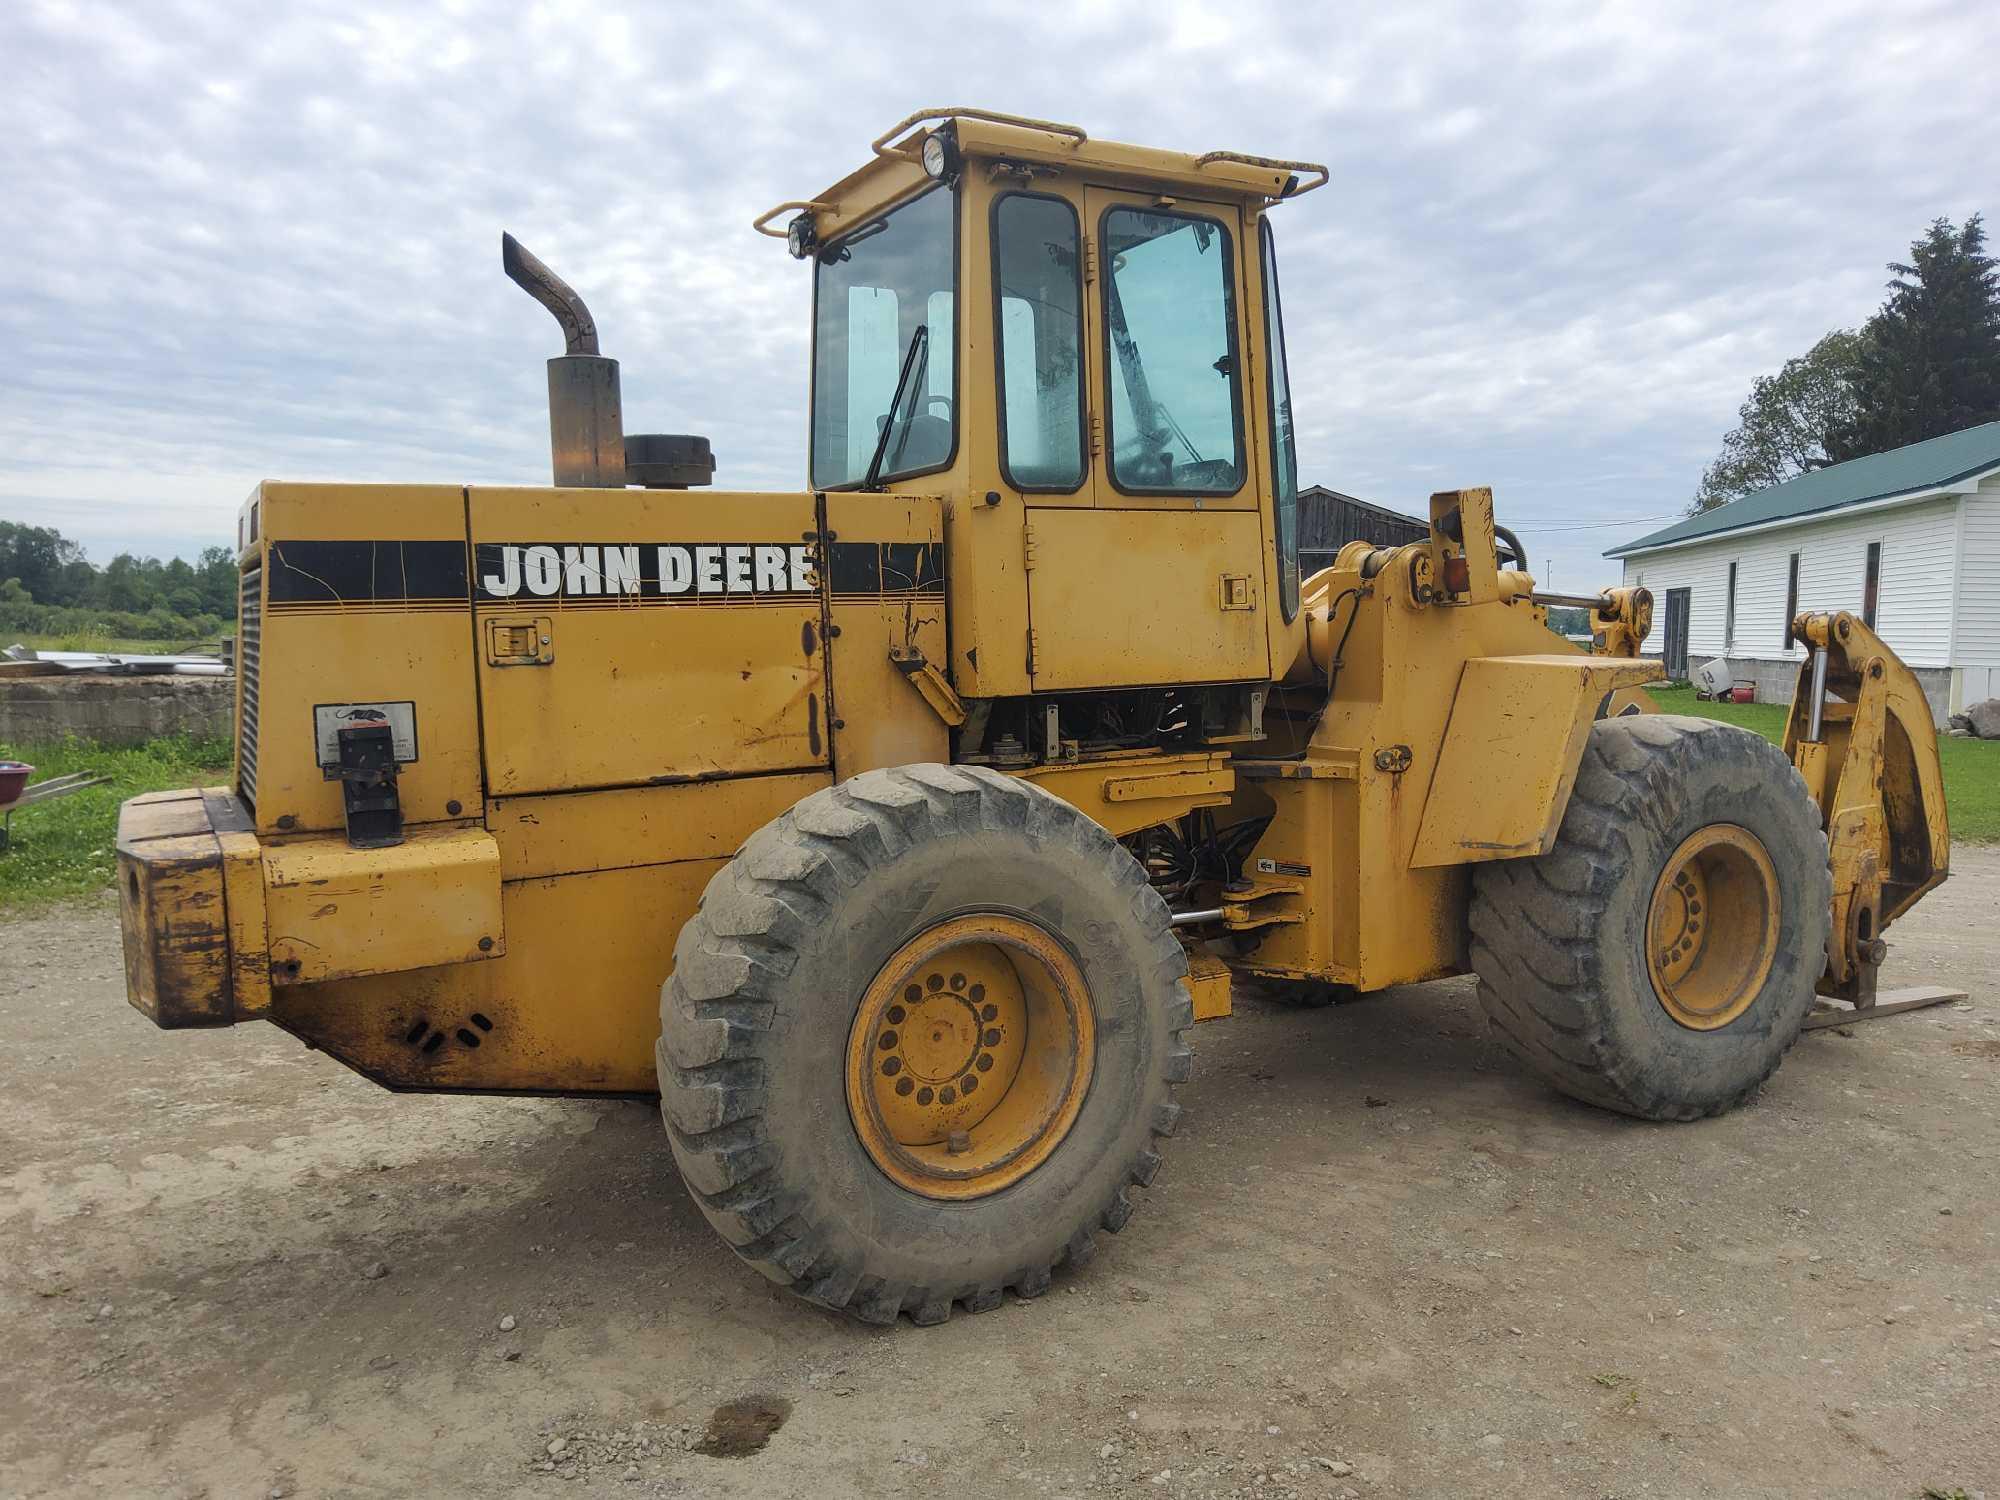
pixel 362 589
pixel 627 637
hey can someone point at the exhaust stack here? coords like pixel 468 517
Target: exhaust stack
pixel 586 418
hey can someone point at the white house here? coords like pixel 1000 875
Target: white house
pixel 1909 540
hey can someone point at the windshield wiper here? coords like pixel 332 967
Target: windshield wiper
pixel 919 341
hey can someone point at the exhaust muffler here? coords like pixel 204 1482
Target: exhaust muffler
pixel 586 418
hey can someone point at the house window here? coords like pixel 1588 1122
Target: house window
pixel 1791 599
pixel 1729 614
pixel 1871 586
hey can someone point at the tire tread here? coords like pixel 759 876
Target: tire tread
pixel 1538 984
pixel 743 939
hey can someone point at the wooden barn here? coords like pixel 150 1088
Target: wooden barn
pixel 1329 520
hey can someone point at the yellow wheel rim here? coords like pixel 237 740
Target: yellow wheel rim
pixel 1712 933
pixel 970 1056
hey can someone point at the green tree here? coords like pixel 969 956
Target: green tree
pixel 219 582
pixel 42 570
pixel 78 578
pixel 1931 364
pixel 122 584
pixel 1784 429
pixel 38 556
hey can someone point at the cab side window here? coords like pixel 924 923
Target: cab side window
pixel 1284 446
pixel 1039 310
pixel 1170 322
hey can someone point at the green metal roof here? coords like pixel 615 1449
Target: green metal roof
pixel 1921 466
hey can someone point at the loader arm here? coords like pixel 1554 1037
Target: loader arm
pixel 1861 734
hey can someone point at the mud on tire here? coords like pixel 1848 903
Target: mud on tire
pixel 1559 941
pixel 756 1017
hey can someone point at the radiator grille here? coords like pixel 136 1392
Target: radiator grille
pixel 249 648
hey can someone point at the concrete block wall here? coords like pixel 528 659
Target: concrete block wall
pixel 1776 680
pixel 114 710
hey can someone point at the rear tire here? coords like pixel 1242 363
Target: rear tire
pixel 770 1077
pixel 1575 974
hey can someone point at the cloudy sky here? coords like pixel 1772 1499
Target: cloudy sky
pixel 257 240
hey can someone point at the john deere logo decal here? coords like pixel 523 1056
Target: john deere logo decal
pixel 318 577
pixel 511 570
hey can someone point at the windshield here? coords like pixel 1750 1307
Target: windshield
pixel 877 288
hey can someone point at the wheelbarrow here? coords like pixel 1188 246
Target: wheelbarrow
pixel 15 793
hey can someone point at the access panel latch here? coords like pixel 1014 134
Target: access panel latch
pixel 521 643
pixel 367 772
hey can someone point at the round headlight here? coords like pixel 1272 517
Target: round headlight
pixel 937 155
pixel 799 236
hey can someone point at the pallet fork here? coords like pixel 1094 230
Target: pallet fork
pixel 1861 734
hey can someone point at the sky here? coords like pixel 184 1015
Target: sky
pixel 248 241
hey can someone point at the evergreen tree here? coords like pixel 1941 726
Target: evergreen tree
pixel 1931 361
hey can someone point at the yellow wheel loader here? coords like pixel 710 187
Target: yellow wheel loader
pixel 896 832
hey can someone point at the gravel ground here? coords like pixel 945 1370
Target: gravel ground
pixel 1380 1262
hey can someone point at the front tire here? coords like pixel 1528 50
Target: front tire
pixel 1661 958
pixel 809 1058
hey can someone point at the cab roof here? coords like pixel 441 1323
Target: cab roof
pixel 1038 147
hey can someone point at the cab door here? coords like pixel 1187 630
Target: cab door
pixel 1160 579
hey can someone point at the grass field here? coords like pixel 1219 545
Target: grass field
pixel 1971 767
pixel 63 848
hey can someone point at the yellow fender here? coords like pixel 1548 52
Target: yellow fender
pixel 1511 752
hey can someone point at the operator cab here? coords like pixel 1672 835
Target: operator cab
pixel 1079 346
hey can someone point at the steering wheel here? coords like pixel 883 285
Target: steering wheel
pixel 1151 469
pixel 1209 474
